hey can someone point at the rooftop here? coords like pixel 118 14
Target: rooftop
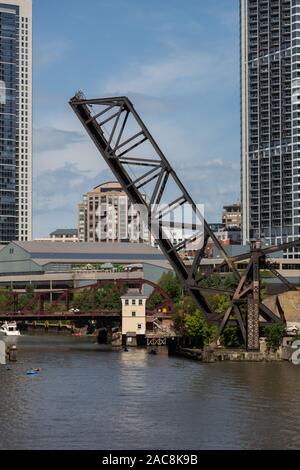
pixel 134 294
pixel 108 186
pixel 64 231
pixel 232 208
pixel 44 252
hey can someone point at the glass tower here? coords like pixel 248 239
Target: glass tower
pixel 270 119
pixel 15 120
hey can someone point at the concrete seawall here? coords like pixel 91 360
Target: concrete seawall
pixel 209 355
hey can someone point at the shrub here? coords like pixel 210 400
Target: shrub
pixel 274 336
pixel 197 329
pixel 171 285
pixel 231 337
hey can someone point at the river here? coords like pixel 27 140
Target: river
pixel 89 399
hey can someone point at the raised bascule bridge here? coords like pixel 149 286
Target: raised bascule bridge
pixel 153 186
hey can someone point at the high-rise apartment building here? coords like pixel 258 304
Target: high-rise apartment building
pixel 106 215
pixel 270 119
pixel 15 120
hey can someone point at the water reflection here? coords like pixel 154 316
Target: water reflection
pixel 88 399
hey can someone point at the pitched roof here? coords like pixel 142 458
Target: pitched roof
pixel 45 252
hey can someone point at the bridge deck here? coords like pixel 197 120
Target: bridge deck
pixel 25 316
pixel 31 316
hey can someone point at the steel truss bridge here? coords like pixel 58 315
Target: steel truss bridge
pixel 150 182
pixel 38 306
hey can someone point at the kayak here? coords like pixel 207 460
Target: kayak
pixel 33 371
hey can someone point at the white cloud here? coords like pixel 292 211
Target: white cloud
pixel 82 154
pixel 50 138
pixel 180 73
pixel 66 160
pixel 57 193
pixel 61 140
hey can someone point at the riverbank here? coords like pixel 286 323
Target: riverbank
pixel 210 355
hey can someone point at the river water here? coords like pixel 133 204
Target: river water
pixel 89 399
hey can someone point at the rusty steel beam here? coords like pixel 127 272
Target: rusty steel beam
pixel 122 146
pixel 116 147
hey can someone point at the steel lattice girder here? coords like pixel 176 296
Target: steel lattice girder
pixel 117 146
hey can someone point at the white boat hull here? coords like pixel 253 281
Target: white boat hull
pixel 9 330
pixel 10 335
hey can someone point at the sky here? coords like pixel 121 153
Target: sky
pixel 177 60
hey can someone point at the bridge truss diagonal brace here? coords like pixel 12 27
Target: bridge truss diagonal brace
pixel 116 148
pixel 248 294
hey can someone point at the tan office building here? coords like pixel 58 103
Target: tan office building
pixel 232 216
pixel 106 215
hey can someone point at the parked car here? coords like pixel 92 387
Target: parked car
pixel 292 330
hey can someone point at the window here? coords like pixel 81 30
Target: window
pixel 133 302
pixel 140 302
pixel 139 326
pixel 134 314
pixel 126 302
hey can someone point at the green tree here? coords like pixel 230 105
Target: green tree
pixel 155 301
pixel 274 336
pixel 229 281
pixel 82 300
pixel 25 299
pixel 186 305
pixel 263 290
pixel 231 337
pixel 179 324
pixel 220 303
pixel 5 298
pixel 171 285
pixel 197 328
pixel 226 281
pixel 108 298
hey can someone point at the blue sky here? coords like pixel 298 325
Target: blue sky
pixel 179 63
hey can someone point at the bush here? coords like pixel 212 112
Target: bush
pixel 154 302
pixel 179 324
pixel 171 285
pixel 25 299
pixel 5 298
pixel 231 337
pixel 197 329
pixel 108 298
pixel 186 305
pixel 274 336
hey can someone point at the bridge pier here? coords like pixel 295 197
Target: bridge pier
pixel 7 353
pixel 12 353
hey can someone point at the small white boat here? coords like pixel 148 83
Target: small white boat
pixel 9 329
